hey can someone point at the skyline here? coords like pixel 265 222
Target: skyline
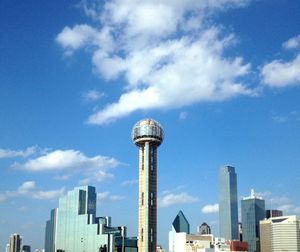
pixel 222 78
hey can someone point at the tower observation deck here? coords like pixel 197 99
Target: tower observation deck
pixel 147 134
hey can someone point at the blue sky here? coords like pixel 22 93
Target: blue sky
pixel 222 77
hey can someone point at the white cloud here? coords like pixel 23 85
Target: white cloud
pixel 92 95
pixel 280 118
pixel 289 209
pixel 7 153
pixel 23 209
pixel 96 176
pixel 2 197
pixel 71 161
pixel 292 43
pixel 26 187
pixel 207 209
pixel 29 189
pixel 286 208
pixel 290 116
pixel 84 35
pixel 47 195
pixel 183 115
pixel 174 199
pixel 281 74
pixel 163 50
pixel 66 160
pixel 280 202
pixel 273 200
pixel 296 210
pixel 130 182
pixel 76 37
pixel 107 196
pixel 62 177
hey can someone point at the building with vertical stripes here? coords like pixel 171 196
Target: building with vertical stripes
pixel 147 134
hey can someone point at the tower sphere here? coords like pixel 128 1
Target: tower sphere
pixel 147 130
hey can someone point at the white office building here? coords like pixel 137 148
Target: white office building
pixel 280 234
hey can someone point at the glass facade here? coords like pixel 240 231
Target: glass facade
pixel 228 204
pixel 180 223
pixel 253 210
pixel 77 230
pixel 74 227
pixel 273 213
pixel 147 128
pixel 50 232
pixel 26 248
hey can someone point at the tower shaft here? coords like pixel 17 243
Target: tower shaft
pixel 147 196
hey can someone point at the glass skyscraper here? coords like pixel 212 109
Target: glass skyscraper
pixel 228 204
pixel 51 231
pixel 74 227
pixel 180 223
pixel 253 211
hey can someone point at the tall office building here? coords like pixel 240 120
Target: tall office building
pixel 253 211
pixel 15 243
pixel 273 213
pixel 74 227
pixel 50 232
pixel 26 248
pixel 7 247
pixel 228 204
pixel 204 229
pixel 77 226
pixel 147 134
pixel 280 234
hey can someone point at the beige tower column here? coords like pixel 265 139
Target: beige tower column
pixel 147 135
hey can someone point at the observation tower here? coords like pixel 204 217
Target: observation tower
pixel 147 134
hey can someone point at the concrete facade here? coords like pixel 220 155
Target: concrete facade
pixel 147 134
pixel 280 234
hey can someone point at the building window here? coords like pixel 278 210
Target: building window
pixel 151 234
pixel 151 158
pixel 143 158
pixel 142 235
pixel 151 198
pixel 142 198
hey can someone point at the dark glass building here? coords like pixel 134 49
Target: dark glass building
pixel 228 204
pixel 204 229
pixel 50 232
pixel 273 213
pixel 26 248
pixel 253 211
pixel 180 223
